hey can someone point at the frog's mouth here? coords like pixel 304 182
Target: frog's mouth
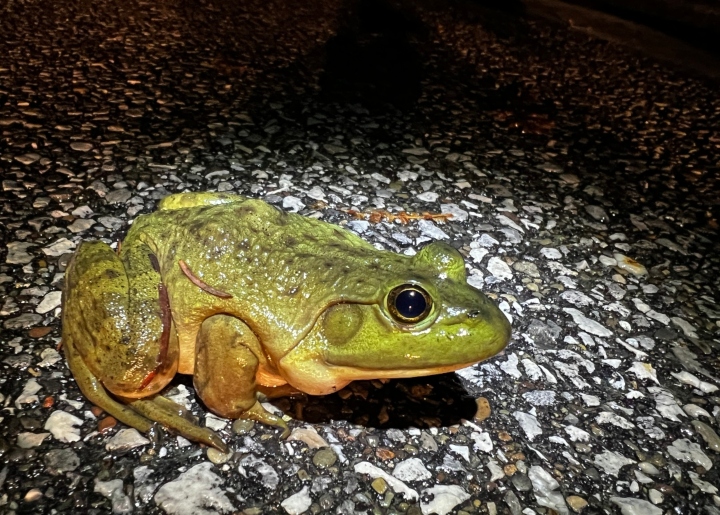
pixel 363 374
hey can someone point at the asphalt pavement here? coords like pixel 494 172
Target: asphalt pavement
pixel 581 174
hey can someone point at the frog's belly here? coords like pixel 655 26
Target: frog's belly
pixel 267 377
pixel 186 362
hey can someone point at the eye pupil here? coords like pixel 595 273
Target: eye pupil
pixel 409 303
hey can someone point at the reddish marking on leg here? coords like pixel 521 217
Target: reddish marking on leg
pixel 200 283
pixel 148 379
pixel 164 336
pixel 166 321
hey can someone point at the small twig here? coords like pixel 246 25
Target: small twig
pixel 378 215
pixel 200 283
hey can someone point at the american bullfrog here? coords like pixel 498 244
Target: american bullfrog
pixel 250 299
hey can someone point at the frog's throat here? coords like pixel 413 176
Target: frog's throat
pixel 359 373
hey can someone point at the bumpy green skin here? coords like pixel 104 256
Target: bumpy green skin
pixel 306 306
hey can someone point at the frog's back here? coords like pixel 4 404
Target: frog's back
pixel 282 269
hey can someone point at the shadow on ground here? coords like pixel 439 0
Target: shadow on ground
pixel 372 61
pixel 436 401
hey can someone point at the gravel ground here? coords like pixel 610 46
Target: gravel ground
pixel 583 184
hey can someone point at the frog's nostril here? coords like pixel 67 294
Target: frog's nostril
pixel 474 314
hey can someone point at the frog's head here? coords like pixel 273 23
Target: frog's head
pixel 424 319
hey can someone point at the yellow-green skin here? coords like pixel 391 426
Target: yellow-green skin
pixel 291 303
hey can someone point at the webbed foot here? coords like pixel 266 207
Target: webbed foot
pixel 260 414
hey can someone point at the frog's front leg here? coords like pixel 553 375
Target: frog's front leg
pixel 225 370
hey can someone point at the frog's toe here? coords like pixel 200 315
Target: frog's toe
pixel 211 438
pixel 286 430
pixel 260 414
pixel 165 412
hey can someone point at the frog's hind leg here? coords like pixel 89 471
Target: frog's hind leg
pixel 139 413
pixel 96 393
pixel 116 317
pixel 117 331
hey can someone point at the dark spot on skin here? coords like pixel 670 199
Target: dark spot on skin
pixel 196 226
pixel 290 242
pixel 154 262
pixel 210 243
pixel 111 274
pixel 244 210
pixel 328 264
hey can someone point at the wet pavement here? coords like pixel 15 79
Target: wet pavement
pixel 582 179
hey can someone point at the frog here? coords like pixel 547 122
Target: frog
pixel 256 303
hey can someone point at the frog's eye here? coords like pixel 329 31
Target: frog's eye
pixel 409 304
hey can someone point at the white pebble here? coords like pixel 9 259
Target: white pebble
pixel 588 325
pixel 428 196
pixel 458 214
pixel 30 440
pixel 611 462
pixel 28 395
pixel 215 423
pixel 684 450
pixel 62 426
pixel 412 469
pixel 496 471
pixel 529 423
pixel 429 229
pixel 444 499
pixel 688 378
pixel 297 503
pixel 292 204
pixel 499 269
pixel 126 439
pixel 49 302
pixel 195 492
pixel 58 248
pixel 633 506
pixel 644 371
pixel 550 253
pixel 483 442
pixel 309 436
pixel 365 467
